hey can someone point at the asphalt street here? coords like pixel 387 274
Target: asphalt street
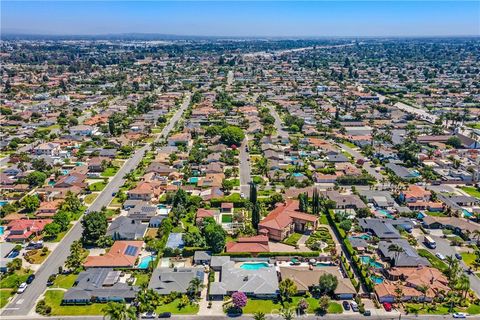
pixel 352 316
pixel 22 304
pixel 444 247
pixel 366 165
pixel 278 122
pixel 245 170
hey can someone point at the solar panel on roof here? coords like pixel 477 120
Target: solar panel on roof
pixel 131 251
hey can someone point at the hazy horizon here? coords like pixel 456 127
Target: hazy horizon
pixel 243 19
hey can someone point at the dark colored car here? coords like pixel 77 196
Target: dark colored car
pixel 51 279
pixel 30 279
pixel 458 256
pixel 346 305
pixel 165 315
pixel 367 313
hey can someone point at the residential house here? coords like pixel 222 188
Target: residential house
pixel 99 285
pixel 286 219
pixel 260 283
pixel 22 230
pixel 125 228
pixel 168 280
pixel 122 254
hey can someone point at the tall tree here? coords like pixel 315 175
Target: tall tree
pixel 94 226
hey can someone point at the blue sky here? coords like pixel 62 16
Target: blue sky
pixel 244 18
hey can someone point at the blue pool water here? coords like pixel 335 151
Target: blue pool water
pixel 193 180
pixel 297 174
pixel 371 262
pixel 376 280
pixel 2 203
pixel 145 262
pixel 320 264
pixel 467 213
pixel 254 265
pixel 363 236
pixel 2 229
pixel 385 213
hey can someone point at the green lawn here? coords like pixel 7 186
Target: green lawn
pixel 468 258
pixel 89 198
pixel 349 144
pixel 61 234
pixel 293 239
pixel 437 263
pixel 471 191
pixel 268 306
pixel 173 308
pixel 323 219
pixel 5 294
pixel 227 218
pixel 141 278
pixel 15 279
pixel 109 172
pixel 53 298
pixel 97 186
pixel 419 308
pixel 64 281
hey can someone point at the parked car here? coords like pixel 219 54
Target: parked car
pixel 165 315
pixel 387 306
pixel 346 305
pixel 22 288
pixel 459 315
pixel 51 279
pixel 367 313
pixel 458 256
pixel 354 306
pixel 30 278
pixel 34 245
pixel 440 256
pixel 149 315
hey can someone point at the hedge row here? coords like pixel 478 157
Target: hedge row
pixel 289 254
pixel 190 251
pixel 352 253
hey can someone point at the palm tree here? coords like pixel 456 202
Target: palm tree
pixel 453 268
pixel 287 313
pixel 476 233
pixel 118 311
pixel 423 289
pixel 396 249
pixel 463 284
pixel 259 316
pixel 195 286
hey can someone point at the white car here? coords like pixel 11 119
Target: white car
pixel 149 315
pixel 459 315
pixel 440 256
pixel 22 287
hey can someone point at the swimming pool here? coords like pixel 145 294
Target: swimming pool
pixel 297 174
pixel 193 180
pixel 323 264
pixel 2 203
pixel 363 236
pixel 385 213
pixel 145 262
pixel 2 229
pixel 371 262
pixel 254 265
pixel 376 280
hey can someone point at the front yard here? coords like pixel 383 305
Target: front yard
pixel 97 186
pixel 293 239
pixel 174 308
pixel 439 309
pixel 269 306
pixel 109 172
pixel 5 295
pixel 64 281
pixel 89 198
pixel 471 191
pixel 13 280
pixel 54 297
pixel 436 262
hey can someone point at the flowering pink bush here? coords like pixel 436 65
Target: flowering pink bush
pixel 239 299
